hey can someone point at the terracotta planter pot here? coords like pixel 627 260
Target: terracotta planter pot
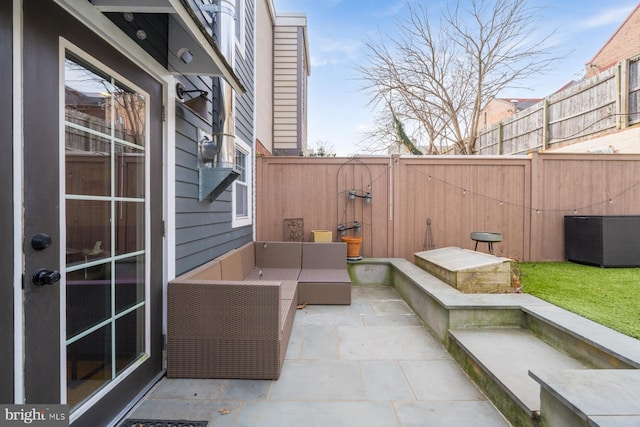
pixel 353 246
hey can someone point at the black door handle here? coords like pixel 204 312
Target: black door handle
pixel 45 277
pixel 41 241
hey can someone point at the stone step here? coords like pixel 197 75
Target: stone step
pixel 598 397
pixel 502 358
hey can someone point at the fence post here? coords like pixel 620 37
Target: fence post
pixel 500 146
pixel 545 124
pixel 622 98
pixel 394 199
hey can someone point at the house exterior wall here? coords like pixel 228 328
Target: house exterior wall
pixel 203 229
pixel 291 70
pixel 496 110
pixel 264 74
pixel 624 44
pixel 6 207
pixel 244 67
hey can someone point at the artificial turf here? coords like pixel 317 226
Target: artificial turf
pixel 609 296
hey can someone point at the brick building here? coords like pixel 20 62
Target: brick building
pixel 499 108
pixel 623 44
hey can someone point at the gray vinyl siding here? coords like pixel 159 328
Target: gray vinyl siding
pixel 203 229
pixel 244 67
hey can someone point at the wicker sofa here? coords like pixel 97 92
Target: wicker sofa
pixel 232 317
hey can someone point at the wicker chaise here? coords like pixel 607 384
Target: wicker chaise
pixel 227 329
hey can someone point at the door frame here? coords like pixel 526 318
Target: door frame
pixel 8 183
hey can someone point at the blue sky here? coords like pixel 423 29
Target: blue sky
pixel 338 30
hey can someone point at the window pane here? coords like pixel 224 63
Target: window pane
pixel 88 298
pixel 241 200
pixel 129 227
pixel 129 282
pixel 241 165
pixel 239 19
pixel 88 365
pixel 88 231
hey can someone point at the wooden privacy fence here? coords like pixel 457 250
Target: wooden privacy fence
pixel 596 106
pixel 524 198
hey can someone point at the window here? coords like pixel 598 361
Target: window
pixel 240 26
pixel 241 198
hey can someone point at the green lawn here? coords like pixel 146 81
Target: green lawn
pixel 609 296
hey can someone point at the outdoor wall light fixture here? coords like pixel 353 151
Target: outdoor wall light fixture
pixel 366 196
pixel 181 90
pixel 355 225
pixel 185 55
pixel 199 104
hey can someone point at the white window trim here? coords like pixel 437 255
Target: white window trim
pixel 243 221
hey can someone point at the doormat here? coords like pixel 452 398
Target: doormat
pixel 163 423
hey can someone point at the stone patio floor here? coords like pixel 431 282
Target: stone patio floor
pixel 368 364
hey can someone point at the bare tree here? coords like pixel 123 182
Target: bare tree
pixel 322 149
pixel 437 81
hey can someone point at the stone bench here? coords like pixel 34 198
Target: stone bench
pixel 467 271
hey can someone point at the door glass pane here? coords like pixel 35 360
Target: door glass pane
pixel 129 170
pixel 88 364
pixel 130 339
pixel 88 298
pixel 129 282
pixel 129 227
pixel 87 163
pixel 105 133
pixel 129 115
pixel 88 230
pixel 87 97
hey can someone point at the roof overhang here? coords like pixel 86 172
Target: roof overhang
pixel 186 32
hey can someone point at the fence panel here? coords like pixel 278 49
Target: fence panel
pixel 583 110
pixel 524 198
pixel 523 131
pixel 317 190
